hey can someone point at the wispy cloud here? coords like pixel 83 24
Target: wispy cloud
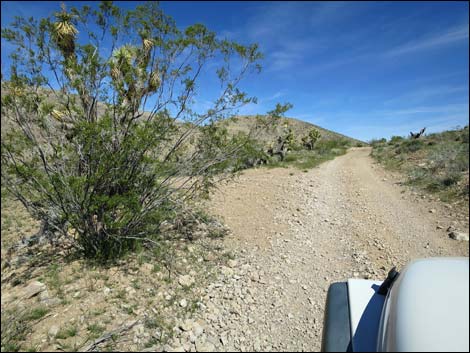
pixel 452 35
pixel 368 55
pixel 274 96
pixel 461 108
pixel 275 26
pixel 423 94
pixel 296 35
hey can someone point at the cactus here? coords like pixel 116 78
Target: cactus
pixel 314 135
pixel 290 138
pixel 309 141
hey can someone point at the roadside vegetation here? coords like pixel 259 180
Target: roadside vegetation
pixel 104 147
pixel 437 163
pixel 306 158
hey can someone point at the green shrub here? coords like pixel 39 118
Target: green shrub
pixel 377 142
pixel 37 313
pixel 307 159
pixel 326 146
pixel 395 139
pixel 16 324
pixel 410 145
pixel 104 175
pixel 70 331
pixel 436 163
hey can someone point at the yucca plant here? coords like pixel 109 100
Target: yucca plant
pixel 311 139
pixel 108 173
pixel 64 32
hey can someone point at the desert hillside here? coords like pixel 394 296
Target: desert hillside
pixel 299 128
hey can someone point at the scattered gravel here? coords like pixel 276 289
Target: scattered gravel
pixel 294 235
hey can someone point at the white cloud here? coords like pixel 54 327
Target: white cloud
pixel 290 44
pixel 452 35
pixel 275 96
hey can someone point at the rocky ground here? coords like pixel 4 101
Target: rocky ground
pixel 52 301
pixel 262 287
pixel 295 233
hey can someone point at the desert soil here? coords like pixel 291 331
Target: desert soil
pixel 262 287
pixel 294 233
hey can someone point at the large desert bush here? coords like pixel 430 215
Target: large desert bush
pixel 102 139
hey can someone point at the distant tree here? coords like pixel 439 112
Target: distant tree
pixel 104 142
pixel 309 141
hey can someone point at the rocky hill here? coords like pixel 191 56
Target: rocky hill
pixel 299 128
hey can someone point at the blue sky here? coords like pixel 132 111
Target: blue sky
pixel 365 69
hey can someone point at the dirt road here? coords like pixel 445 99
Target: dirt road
pixel 294 233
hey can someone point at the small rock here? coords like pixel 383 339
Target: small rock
pixel 187 325
pixel 257 345
pixel 226 271
pixel 106 290
pixel 147 267
pixel 203 346
pixel 198 330
pixel 432 210
pixel 53 331
pixel 34 288
pixel 183 303
pixel 232 263
pixel 254 277
pixel 131 291
pixel 139 329
pixel 44 296
pixel 209 257
pixel 202 227
pixel 224 340
pixel 458 235
pixel 186 280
